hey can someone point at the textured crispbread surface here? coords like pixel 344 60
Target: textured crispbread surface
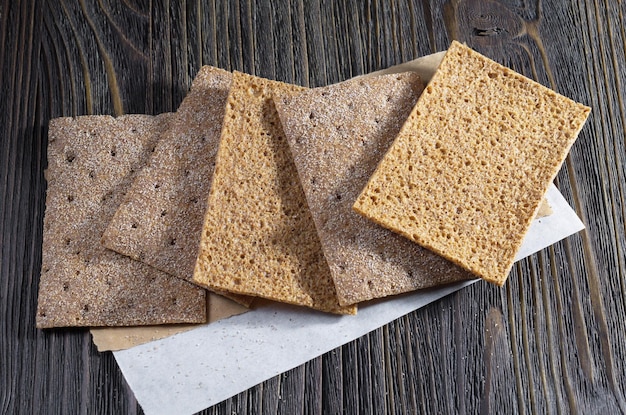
pixel 471 164
pixel 160 220
pixel 259 237
pixel 91 162
pixel 337 136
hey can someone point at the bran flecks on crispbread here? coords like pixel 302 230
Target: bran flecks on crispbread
pixel 259 238
pixel 470 166
pixel 91 161
pixel 160 220
pixel 337 135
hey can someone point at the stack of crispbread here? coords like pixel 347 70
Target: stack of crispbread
pixel 256 188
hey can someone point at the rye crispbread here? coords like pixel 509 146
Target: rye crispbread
pixel 160 220
pixel 337 136
pixel 259 238
pixel 91 162
pixel 472 163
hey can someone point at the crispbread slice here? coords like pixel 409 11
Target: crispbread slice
pixel 91 160
pixel 470 166
pixel 337 136
pixel 258 237
pixel 160 220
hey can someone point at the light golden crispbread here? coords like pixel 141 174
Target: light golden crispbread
pixel 471 164
pixel 160 220
pixel 91 162
pixel 259 238
pixel 337 136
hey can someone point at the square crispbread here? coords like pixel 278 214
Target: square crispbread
pixel 91 162
pixel 259 238
pixel 337 135
pixel 160 220
pixel 468 170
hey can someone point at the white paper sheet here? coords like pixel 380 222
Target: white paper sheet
pixel 191 371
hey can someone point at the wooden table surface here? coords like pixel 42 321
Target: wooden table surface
pixel 552 340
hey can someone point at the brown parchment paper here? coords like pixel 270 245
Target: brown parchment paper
pixel 120 338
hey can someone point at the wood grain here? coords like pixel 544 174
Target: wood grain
pixel 551 341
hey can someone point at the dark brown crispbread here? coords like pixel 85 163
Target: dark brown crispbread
pixel 337 136
pixel 472 163
pixel 91 162
pixel 160 220
pixel 259 237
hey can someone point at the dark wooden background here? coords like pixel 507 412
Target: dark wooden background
pixel 552 340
